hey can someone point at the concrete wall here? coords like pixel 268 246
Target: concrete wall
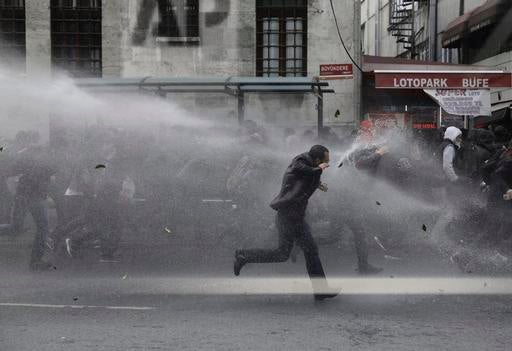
pixel 37 66
pixel 228 48
pixel 38 40
pixel 378 40
pixel 225 47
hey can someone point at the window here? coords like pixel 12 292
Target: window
pixel 76 36
pixel 281 29
pixel 178 21
pixel 12 30
pixel 422 51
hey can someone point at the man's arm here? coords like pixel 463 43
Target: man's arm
pixel 300 167
pixel 368 159
pixel 448 158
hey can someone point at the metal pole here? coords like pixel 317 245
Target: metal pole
pixel 440 118
pixel 241 107
pixel 320 108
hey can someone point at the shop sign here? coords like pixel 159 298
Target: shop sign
pixel 464 102
pixel 441 80
pixel 336 71
pixel 424 125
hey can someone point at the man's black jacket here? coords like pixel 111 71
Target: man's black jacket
pixel 300 181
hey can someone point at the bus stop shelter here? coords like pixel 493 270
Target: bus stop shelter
pixel 237 87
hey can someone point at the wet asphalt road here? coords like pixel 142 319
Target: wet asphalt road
pixel 134 305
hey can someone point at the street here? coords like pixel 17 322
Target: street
pixel 196 304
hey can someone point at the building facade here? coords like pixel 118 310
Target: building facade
pixel 192 38
pixel 463 32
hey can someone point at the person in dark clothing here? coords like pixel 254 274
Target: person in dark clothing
pixel 498 176
pixel 300 181
pixel 103 214
pixel 6 197
pixel 31 194
pixel 502 136
pixel 481 149
pixel 366 159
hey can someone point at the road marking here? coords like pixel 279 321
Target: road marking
pixel 347 286
pixel 40 305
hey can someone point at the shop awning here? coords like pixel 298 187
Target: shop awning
pixel 487 14
pixel 481 17
pixel 455 31
pixel 498 115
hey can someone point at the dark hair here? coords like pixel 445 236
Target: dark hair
pixel 317 152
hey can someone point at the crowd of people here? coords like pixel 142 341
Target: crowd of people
pixel 96 178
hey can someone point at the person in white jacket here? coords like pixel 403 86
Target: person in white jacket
pixel 452 142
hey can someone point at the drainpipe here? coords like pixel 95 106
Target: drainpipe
pixel 461 7
pixel 436 30
pixel 377 28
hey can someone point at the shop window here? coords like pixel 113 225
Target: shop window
pixel 178 20
pixel 281 27
pixel 76 36
pixel 12 30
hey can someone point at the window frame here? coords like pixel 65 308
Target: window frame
pixel 277 9
pixel 166 32
pixel 76 37
pixel 13 12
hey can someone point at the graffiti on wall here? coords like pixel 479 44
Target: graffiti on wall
pixel 170 11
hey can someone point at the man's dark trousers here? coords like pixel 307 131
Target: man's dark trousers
pixel 292 228
pixel 37 208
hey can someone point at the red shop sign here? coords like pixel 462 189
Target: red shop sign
pixel 336 70
pixel 442 80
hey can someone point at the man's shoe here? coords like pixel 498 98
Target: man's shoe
pixel 321 297
pixel 369 270
pixel 240 261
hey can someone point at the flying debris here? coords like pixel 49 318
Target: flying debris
pixel 167 230
pixel 100 166
pixel 337 114
pixel 377 240
pixel 424 227
pixel 1 148
pixel 378 203
pixel 124 277
pixel 75 298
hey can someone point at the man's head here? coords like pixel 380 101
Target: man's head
pixel 319 154
pixel 454 134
